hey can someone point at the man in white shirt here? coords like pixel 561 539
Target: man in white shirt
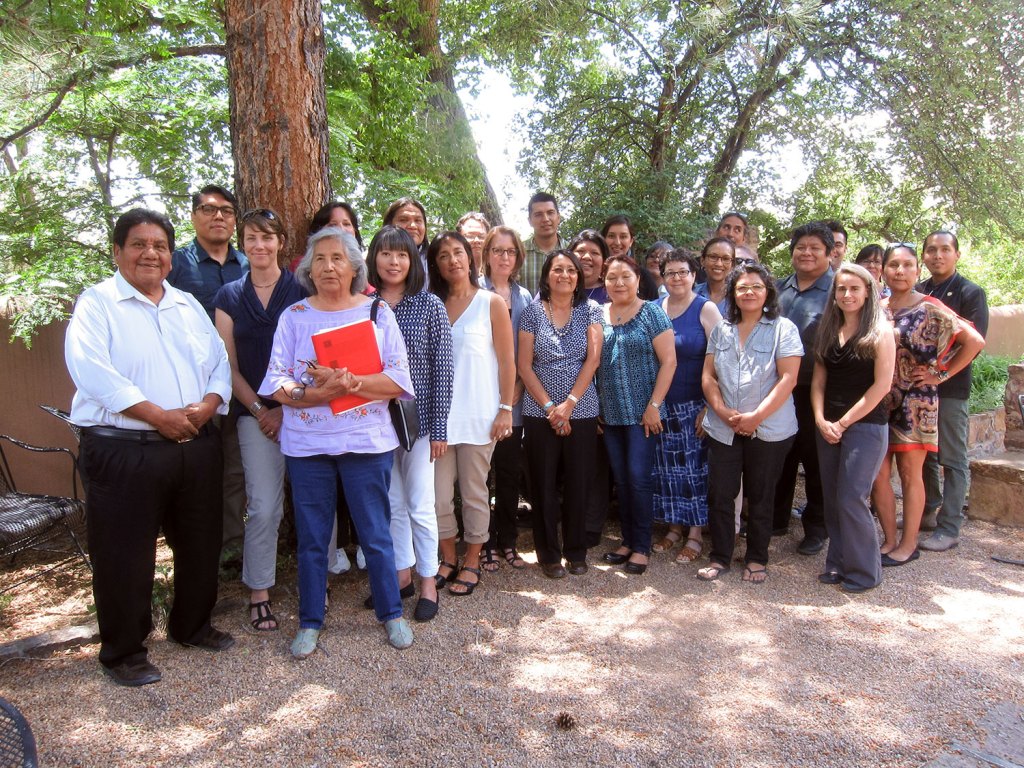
pixel 150 372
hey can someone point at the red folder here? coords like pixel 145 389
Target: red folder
pixel 352 346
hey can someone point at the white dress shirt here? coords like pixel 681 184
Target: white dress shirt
pixel 122 349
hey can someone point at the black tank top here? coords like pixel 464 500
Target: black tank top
pixel 849 377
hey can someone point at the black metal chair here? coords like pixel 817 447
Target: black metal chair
pixel 66 418
pixel 31 520
pixel 17 744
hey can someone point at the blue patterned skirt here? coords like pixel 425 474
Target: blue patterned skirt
pixel 681 468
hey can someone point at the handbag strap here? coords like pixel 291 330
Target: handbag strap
pixel 373 309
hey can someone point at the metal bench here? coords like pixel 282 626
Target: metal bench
pixel 33 520
pixel 17 744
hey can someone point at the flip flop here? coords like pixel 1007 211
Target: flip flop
pixel 712 572
pixel 749 574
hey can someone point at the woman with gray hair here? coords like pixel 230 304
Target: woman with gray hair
pixel 356 445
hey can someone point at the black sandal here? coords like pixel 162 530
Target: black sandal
pixel 512 558
pixel 469 585
pixel 440 580
pixel 489 562
pixel 263 616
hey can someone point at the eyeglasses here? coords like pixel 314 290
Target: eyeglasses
pixel 208 210
pixel 719 259
pixel 912 247
pixel 742 261
pixel 508 253
pixel 675 274
pixel 755 289
pixel 266 213
pixel 560 271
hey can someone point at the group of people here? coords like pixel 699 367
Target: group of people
pixel 694 385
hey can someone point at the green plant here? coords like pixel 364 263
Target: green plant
pixel 163 594
pixel 988 385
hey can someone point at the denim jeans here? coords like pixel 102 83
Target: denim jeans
pixel 366 477
pixel 951 459
pixel 847 471
pixel 631 457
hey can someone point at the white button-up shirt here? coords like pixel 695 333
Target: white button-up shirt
pixel 122 349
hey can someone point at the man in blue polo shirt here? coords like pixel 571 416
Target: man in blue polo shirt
pixel 201 268
pixel 802 299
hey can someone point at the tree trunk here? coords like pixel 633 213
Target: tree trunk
pixel 424 35
pixel 275 54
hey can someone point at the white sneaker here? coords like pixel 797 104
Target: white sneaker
pixel 340 564
pixel 360 560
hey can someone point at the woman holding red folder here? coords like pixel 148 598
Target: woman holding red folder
pixel 481 414
pixel 320 445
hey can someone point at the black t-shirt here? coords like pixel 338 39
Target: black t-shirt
pixel 849 377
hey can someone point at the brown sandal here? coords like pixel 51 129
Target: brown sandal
pixel 689 554
pixel 668 542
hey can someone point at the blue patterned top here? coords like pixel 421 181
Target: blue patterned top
pixel 423 321
pixel 629 365
pixel 558 356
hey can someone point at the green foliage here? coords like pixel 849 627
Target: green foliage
pixel 989 374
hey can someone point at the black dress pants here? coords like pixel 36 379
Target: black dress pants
pixel 505 462
pixel 757 463
pixel 547 453
pixel 804 451
pixel 133 490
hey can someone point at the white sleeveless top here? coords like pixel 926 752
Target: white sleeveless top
pixel 475 393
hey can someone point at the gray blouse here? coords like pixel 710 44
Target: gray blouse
pixel 747 373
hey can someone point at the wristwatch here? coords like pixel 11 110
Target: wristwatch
pixel 297 393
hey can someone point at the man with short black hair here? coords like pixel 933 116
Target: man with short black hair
pixel 201 268
pixel 733 226
pixel 944 501
pixel 802 298
pixel 544 218
pixel 150 372
pixel 840 237
pixel 209 261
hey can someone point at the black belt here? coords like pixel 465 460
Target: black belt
pixel 142 436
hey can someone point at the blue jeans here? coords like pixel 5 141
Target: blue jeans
pixel 847 471
pixel 951 459
pixel 365 478
pixel 631 456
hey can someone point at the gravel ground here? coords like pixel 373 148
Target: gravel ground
pixel 660 669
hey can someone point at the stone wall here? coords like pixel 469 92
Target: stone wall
pixel 1014 438
pixel 985 433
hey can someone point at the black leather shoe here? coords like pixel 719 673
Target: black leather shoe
pixel 215 640
pixel 812 544
pixel 635 568
pixel 405 593
pixel 553 570
pixel 577 567
pixel 614 558
pixel 133 674
pixel 829 577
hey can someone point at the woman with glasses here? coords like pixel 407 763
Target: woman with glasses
pixel 481 413
pixel 637 363
pixel 559 350
pixel 680 463
pixel 246 318
pixel 503 256
pixel 717 259
pixel 652 262
pixel 932 344
pixel 870 257
pixel 474 226
pixel 749 373
pixel 854 354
